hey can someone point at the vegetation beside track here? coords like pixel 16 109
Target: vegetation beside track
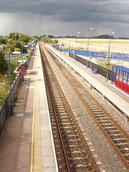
pixel 46 39
pixel 4 80
pixel 9 44
pixel 4 87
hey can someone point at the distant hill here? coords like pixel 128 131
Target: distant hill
pixel 108 36
pixel 104 37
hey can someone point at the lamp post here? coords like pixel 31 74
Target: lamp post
pixel 109 45
pixel 10 83
pixel 61 43
pixel 9 71
pixel 69 47
pixel 88 42
pixel 109 49
pixel 76 40
pixel 69 41
pixel 91 28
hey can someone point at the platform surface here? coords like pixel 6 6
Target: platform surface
pixel 26 143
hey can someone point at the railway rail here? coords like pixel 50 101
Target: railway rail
pixel 116 136
pixel 72 151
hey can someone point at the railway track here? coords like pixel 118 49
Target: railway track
pixel 117 137
pixel 72 151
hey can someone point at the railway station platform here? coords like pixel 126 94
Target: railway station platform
pixel 26 143
pixel 108 90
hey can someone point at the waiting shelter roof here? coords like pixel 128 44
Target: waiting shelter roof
pixel 122 68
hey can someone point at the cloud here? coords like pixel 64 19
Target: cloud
pixel 45 13
pixel 94 10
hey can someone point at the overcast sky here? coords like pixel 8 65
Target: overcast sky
pixel 65 17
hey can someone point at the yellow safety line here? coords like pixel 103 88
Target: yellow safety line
pixel 32 136
pixel 35 162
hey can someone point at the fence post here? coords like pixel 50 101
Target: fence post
pixel 10 84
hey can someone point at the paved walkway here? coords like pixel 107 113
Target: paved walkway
pixel 15 141
pixel 43 153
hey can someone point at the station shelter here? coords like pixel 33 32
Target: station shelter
pixel 120 75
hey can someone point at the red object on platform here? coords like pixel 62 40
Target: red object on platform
pixel 22 70
pixel 122 86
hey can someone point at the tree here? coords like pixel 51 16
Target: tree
pixel 55 41
pixel 20 37
pixel 15 42
pixel 49 40
pixel 10 47
pixel 25 38
pixel 14 35
pixel 3 40
pixel 50 36
pixel 3 62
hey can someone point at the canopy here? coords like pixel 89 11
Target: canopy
pixel 122 68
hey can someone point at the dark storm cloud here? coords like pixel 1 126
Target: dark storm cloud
pixel 95 11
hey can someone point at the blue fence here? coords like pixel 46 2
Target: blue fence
pixel 93 54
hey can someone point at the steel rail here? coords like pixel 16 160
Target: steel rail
pixel 69 132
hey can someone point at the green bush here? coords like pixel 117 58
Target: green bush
pixel 3 63
pixel 49 40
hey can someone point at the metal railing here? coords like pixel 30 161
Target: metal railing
pixel 7 109
pixel 96 55
pixel 101 70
